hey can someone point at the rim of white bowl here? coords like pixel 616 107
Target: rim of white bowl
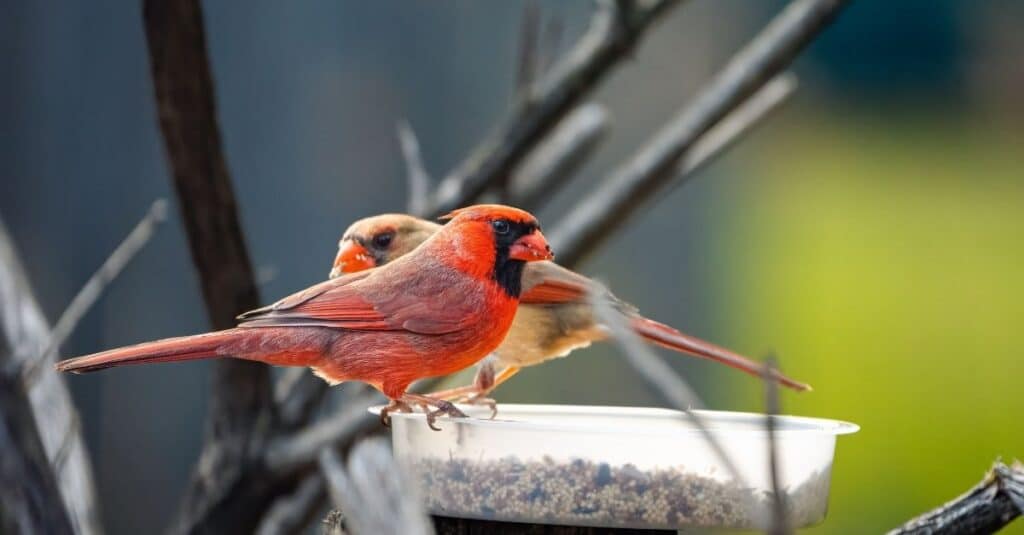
pixel 716 421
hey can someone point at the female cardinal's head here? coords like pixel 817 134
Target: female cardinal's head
pixel 377 240
pixel 492 239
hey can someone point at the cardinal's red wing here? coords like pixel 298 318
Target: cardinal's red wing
pixel 302 296
pixel 400 297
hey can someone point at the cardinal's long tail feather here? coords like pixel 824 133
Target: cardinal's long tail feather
pixel 666 336
pixel 200 346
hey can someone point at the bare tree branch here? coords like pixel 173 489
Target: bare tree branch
pixel 733 127
pixel 93 288
pixel 416 172
pixel 24 334
pixel 30 502
pixel 241 409
pixel 288 452
pixel 621 193
pixel 290 513
pixel 375 494
pixel 614 31
pixel 552 163
pixel 986 508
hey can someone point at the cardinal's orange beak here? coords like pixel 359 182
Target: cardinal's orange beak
pixel 530 248
pixel 352 257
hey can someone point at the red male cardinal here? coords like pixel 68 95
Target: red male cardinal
pixel 554 317
pixel 432 312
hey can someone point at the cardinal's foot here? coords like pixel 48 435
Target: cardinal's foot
pixel 442 407
pixel 481 399
pixel 395 405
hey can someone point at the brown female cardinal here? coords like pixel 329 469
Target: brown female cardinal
pixel 432 312
pixel 554 317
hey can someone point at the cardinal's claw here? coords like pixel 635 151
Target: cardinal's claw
pixel 444 407
pixel 395 405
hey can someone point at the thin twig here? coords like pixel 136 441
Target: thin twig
pixel 666 382
pixel 290 513
pixel 625 189
pixel 552 163
pixel 415 172
pixel 93 288
pixel 528 60
pixel 24 334
pixel 551 45
pixel 374 493
pixel 779 524
pixel 612 35
pixel 986 508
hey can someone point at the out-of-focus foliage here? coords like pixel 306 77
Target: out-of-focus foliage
pixel 884 260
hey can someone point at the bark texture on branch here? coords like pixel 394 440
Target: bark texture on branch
pixel 224 491
pixel 986 508
pixel 24 338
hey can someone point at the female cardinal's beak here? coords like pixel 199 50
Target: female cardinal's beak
pixel 530 248
pixel 352 257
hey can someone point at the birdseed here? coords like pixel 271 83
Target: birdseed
pixel 583 492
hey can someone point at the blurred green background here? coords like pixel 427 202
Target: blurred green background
pixel 869 234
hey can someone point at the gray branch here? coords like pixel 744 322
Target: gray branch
pixel 620 194
pixel 375 494
pixel 553 162
pixel 24 335
pixel 29 500
pixel 290 513
pixel 289 452
pixel 986 508
pixel 416 172
pixel 614 31
pixel 728 131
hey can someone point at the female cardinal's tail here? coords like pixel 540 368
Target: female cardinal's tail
pixel 666 336
pixel 200 346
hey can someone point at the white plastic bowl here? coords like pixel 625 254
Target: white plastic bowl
pixel 616 466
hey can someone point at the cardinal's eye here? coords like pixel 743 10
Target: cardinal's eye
pixel 381 241
pixel 500 226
